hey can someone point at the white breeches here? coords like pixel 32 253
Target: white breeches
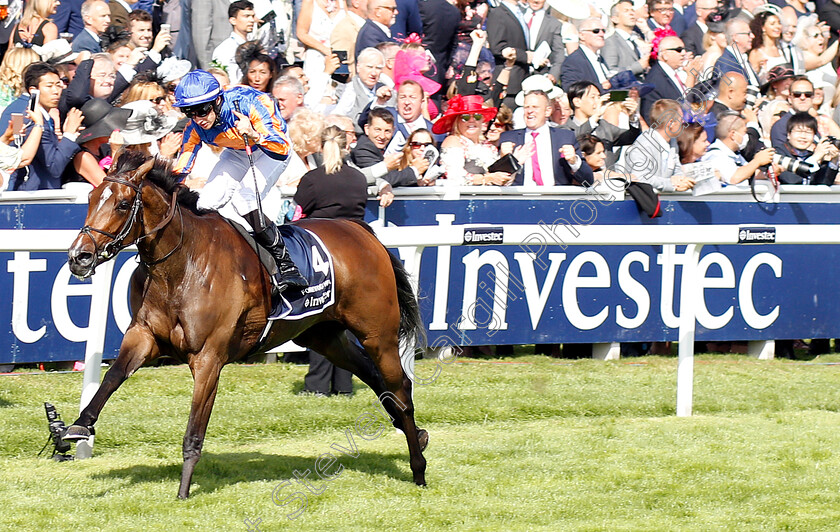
pixel 232 181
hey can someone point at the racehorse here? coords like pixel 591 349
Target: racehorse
pixel 192 261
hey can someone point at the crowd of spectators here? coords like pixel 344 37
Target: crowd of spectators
pixel 677 93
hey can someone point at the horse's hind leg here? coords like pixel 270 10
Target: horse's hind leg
pixel 386 378
pixel 137 348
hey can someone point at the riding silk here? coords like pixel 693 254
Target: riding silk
pixel 316 264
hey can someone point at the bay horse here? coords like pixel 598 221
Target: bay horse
pixel 201 296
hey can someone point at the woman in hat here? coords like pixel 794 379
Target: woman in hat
pixel 35 26
pixel 146 126
pixel 778 82
pixel 101 121
pixel 258 69
pixel 465 155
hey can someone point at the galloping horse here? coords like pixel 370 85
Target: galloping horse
pixel 201 295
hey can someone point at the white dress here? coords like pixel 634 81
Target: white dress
pixel 320 28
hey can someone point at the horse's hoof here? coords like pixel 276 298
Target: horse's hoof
pixel 423 438
pixel 76 433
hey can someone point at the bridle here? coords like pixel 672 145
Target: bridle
pixel 118 240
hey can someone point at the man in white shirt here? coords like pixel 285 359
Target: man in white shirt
pixel 724 155
pixel 241 18
pixel 362 89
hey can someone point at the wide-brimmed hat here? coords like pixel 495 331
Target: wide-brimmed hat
pixel 778 73
pixel 626 80
pixel 577 9
pixel 173 68
pixel 146 123
pixel 101 119
pixel 462 105
pixel 537 82
pixel 56 52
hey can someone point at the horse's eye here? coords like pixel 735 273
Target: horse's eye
pixel 123 205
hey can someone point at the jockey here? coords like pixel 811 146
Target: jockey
pixel 229 119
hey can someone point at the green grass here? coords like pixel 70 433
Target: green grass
pixel 524 443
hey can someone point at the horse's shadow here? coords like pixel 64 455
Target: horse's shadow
pixel 216 471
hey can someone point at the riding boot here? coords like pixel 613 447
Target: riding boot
pixel 289 276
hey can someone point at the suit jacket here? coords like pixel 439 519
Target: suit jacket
pixel 563 174
pixel 729 63
pixel 50 160
pixel 577 67
pixel 677 23
pixel 343 37
pixel 549 32
pixel 85 41
pixel 68 17
pixel 620 55
pixel 504 30
pixel 665 88
pixel 440 26
pixel 612 135
pixel 366 154
pixel 369 35
pixel 408 19
pixel 693 39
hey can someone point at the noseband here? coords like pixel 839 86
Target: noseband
pixel 117 242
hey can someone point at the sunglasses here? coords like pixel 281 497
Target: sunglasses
pixel 158 100
pixel 420 144
pixel 797 94
pixel 596 31
pixel 198 111
pixel 678 49
pixel 476 116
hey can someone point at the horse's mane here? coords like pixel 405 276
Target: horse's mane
pixel 161 175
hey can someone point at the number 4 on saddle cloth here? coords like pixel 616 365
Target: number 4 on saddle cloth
pixel 314 262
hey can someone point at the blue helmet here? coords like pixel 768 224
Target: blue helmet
pixel 195 88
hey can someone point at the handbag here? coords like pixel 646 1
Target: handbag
pixel 506 163
pixel 645 196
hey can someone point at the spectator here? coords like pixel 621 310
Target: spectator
pixel 68 17
pixel 664 16
pixel 259 70
pixel 801 131
pixel 561 111
pixel 389 52
pixel 140 27
pixel 792 53
pixel 586 63
pixel 409 114
pixel 817 57
pixel 693 36
pixel 241 19
pixel 473 16
pixel 407 20
pixel 414 150
pixel 35 26
pixel 477 77
pixel 594 154
pixel 501 123
pixel 767 32
pixel 654 156
pixel 739 39
pixel 119 51
pixel 11 157
pixel 289 95
pixel 440 35
pixel 376 29
pixel 305 130
pixel 725 152
pixel 369 153
pixel 100 122
pixel 97 17
pixel 670 80
pixel 543 28
pixel 333 190
pixel 549 155
pixel 769 115
pixel 346 125
pixel 626 49
pixel 364 88
pixel 343 35
pixel 715 43
pixel 507 34
pixel 146 126
pixel 692 143
pixel 11 73
pixel 801 101
pixel 732 94
pixel 53 154
pixel 315 24
pixel 779 79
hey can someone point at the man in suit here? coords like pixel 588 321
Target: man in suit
pixel 626 49
pixel 377 28
pixel 408 115
pixel 663 15
pixel 555 158
pixel 544 28
pixel 440 28
pixel 364 88
pixel 666 75
pixel 369 153
pixel 97 17
pixel 508 36
pixel 343 36
pixel 53 155
pixel 693 36
pixel 586 63
pixel 68 17
pixel 734 58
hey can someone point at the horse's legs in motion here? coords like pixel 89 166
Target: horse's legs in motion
pixel 137 348
pixel 385 375
pixel 205 369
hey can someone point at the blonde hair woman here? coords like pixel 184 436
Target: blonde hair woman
pixel 35 26
pixel 11 73
pixel 305 129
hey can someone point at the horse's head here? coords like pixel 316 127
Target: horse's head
pixel 114 219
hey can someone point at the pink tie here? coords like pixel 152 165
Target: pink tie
pixel 535 162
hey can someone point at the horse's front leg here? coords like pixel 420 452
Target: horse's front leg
pixel 205 369
pixel 137 348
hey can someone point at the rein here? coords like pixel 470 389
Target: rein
pixel 118 242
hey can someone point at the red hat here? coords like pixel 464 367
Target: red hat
pixel 462 105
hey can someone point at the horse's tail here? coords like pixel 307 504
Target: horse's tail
pixel 411 325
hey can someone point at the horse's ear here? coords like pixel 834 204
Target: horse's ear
pixel 138 175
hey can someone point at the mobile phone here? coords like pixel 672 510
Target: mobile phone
pixel 618 96
pixel 342 55
pixel 17 124
pixel 165 27
pixel 431 155
pixel 34 96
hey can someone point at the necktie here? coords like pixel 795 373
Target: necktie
pixel 530 17
pixel 604 68
pixel 635 47
pixel 535 162
pixel 679 82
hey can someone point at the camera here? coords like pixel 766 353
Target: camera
pixel 789 164
pixel 57 429
pixel 834 141
pixel 752 93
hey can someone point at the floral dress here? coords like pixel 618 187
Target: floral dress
pixel 462 163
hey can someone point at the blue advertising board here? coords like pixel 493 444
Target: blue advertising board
pixel 482 293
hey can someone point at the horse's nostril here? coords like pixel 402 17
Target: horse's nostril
pixel 84 258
